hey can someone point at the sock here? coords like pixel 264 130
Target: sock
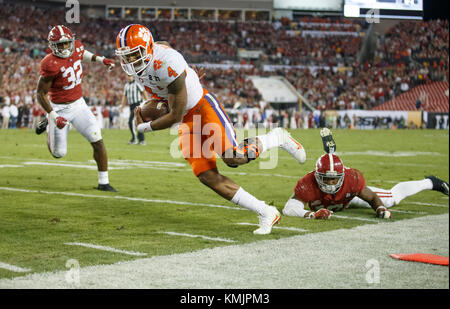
pixel 103 178
pixel 404 189
pixel 268 141
pixel 248 201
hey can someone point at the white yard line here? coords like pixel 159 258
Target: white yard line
pixel 198 236
pixel 408 212
pixel 105 248
pixel 121 198
pixel 286 228
pixel 90 167
pixel 10 165
pixel 429 204
pixel 14 268
pixel 355 218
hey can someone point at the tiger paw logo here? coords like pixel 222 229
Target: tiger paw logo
pixel 144 34
pixel 157 65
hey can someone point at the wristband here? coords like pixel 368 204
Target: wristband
pixel 99 59
pixel 144 127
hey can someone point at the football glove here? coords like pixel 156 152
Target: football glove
pixel 321 214
pixel 384 213
pixel 109 63
pixel 58 120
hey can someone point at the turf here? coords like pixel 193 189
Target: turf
pixel 35 225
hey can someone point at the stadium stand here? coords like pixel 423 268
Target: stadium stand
pixel 317 55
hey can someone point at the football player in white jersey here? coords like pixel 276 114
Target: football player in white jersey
pixel 205 128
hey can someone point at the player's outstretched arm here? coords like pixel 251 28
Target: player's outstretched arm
pixel 375 202
pixel 296 208
pixel 88 56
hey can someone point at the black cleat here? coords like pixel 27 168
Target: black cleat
pixel 106 187
pixel 42 126
pixel 329 146
pixel 439 184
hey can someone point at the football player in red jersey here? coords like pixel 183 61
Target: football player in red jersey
pixel 60 79
pixel 333 187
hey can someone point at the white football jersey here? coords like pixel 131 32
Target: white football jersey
pixel 167 64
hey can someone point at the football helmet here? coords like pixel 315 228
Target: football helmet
pixel 134 48
pixel 59 35
pixel 329 173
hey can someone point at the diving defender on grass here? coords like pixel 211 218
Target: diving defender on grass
pixel 61 73
pixel 333 187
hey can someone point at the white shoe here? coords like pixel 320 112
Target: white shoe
pixel 266 221
pixel 289 144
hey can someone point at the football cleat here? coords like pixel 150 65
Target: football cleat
pixel 143 143
pixel 42 126
pixel 439 184
pixel 267 220
pixel 329 146
pixel 289 144
pixel 106 187
pixel 132 142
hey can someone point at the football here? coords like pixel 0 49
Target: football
pixel 153 109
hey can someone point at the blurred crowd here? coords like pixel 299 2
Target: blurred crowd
pixel 326 48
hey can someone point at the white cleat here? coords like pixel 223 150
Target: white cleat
pixel 266 221
pixel 289 144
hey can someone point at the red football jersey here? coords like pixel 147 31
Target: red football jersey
pixel 66 86
pixel 308 191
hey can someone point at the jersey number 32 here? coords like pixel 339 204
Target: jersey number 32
pixel 73 75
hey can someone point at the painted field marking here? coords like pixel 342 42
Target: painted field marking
pixel 130 164
pixel 14 268
pixel 105 248
pixel 122 198
pixel 356 218
pixel 296 229
pixel 408 211
pixel 10 165
pixel 199 236
pixel 429 204
pixel 140 163
pixel 91 167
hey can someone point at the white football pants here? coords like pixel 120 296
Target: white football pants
pixel 395 195
pixel 82 119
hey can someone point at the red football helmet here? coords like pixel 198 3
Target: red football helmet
pixel 57 37
pixel 135 48
pixel 329 173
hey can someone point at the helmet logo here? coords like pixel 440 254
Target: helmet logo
pixel 144 34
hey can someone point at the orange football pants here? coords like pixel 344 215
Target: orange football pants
pixel 206 131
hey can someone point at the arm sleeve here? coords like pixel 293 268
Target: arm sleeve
pixel 87 55
pixel 294 208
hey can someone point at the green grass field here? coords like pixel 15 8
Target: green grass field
pixel 44 206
